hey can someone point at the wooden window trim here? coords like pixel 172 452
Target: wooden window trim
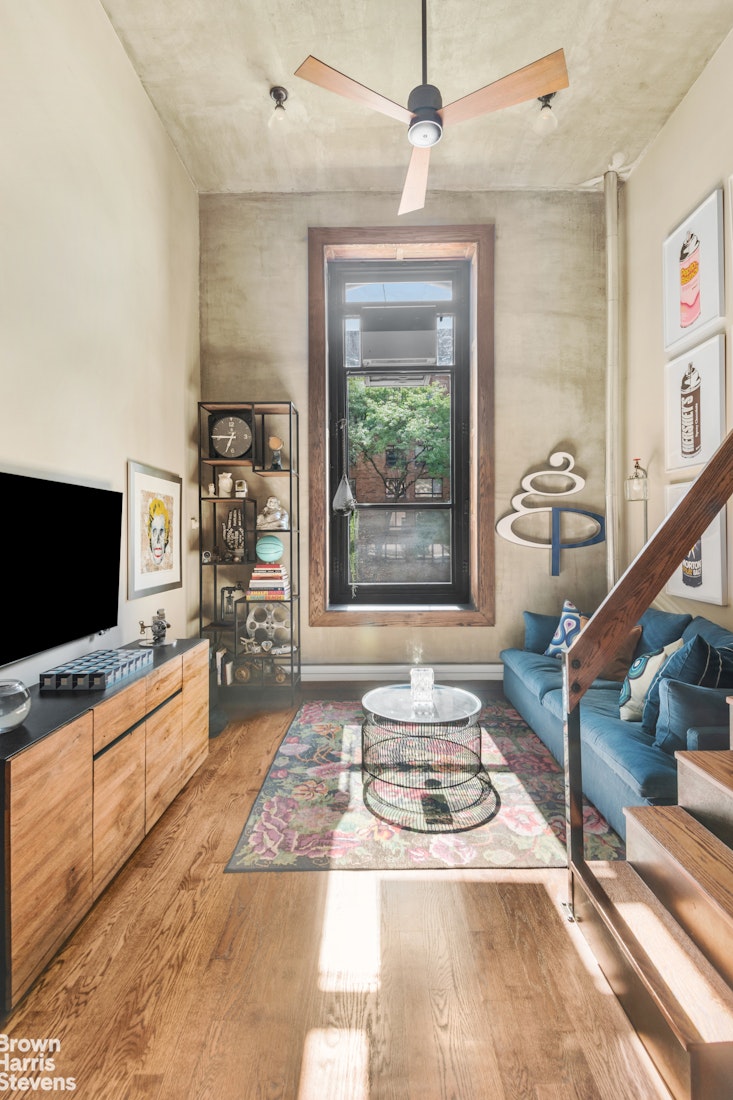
pixel 472 242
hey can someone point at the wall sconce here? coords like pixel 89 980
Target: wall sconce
pixel 280 95
pixel 636 487
pixel 546 121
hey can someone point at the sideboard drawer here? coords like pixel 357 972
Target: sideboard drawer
pixel 164 682
pixel 118 714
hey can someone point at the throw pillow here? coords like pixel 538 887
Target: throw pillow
pixel 619 665
pixel 687 706
pixel 538 631
pixel 639 678
pixel 697 662
pixel 568 628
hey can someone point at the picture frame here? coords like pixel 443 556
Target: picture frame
pixel 694 404
pixel 153 530
pixel 692 275
pixel 703 575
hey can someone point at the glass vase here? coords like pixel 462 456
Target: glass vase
pixel 15 704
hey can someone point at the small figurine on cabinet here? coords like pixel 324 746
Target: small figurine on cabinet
pixel 225 485
pixel 157 627
pixel 273 516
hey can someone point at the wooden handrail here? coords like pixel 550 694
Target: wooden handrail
pixel 646 575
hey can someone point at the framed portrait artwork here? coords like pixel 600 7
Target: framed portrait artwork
pixel 703 573
pixel 692 257
pixel 153 530
pixel 694 404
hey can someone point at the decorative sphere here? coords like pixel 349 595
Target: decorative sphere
pixel 15 704
pixel 269 548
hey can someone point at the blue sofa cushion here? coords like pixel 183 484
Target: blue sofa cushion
pixel 659 628
pixel 621 747
pixel 711 632
pixel 684 707
pixel 698 662
pixel 538 631
pixel 567 630
pixel 538 673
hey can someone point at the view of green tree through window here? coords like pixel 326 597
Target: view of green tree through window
pixel 399 389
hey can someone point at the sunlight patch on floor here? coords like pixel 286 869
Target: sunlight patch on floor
pixel 349 959
pixel 335 1064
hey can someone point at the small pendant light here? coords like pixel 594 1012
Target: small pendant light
pixel 343 501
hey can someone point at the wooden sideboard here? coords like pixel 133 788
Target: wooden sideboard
pixel 85 779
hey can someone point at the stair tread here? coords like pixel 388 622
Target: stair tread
pixel 693 996
pixel 716 765
pixel 697 851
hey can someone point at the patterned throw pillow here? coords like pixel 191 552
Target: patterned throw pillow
pixel 639 679
pixel 569 627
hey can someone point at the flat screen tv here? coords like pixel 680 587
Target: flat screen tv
pixel 60 557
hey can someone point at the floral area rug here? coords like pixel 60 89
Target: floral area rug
pixel 310 813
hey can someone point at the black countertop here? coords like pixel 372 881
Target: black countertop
pixel 52 709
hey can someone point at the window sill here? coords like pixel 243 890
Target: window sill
pixel 404 615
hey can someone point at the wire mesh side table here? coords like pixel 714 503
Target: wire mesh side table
pixel 422 769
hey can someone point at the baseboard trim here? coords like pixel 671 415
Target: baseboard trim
pixel 398 673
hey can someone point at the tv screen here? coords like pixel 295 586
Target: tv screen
pixel 60 556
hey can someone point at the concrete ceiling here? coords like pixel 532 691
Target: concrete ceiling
pixel 208 66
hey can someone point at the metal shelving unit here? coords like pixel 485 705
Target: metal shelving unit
pixel 255 642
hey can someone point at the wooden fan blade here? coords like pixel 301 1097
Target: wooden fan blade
pixel 542 77
pixel 325 77
pixel 416 181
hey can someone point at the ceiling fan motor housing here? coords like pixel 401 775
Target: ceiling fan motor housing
pixel 426 126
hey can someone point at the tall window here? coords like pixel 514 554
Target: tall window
pixel 401 412
pixel 398 370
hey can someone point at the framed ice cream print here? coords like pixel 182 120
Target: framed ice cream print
pixel 694 404
pixel 703 573
pixel 154 530
pixel 692 259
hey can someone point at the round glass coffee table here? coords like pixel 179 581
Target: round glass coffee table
pixel 421 767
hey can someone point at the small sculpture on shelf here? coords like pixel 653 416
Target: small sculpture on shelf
pixel 233 534
pixel 276 445
pixel 273 516
pixel 157 627
pixel 225 485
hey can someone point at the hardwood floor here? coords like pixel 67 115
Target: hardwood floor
pixel 187 982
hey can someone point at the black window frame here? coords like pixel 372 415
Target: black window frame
pixel 456 592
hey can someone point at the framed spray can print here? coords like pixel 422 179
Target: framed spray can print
pixel 694 404
pixel 703 573
pixel 692 257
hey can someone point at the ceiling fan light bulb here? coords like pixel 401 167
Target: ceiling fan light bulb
pixel 546 121
pixel 425 130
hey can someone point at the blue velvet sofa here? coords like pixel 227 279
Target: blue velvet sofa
pixel 629 763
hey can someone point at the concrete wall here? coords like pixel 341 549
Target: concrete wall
pixel 691 156
pixel 99 291
pixel 550 371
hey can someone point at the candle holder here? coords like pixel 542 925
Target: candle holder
pixel 421 688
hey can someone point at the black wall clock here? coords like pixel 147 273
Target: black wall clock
pixel 230 434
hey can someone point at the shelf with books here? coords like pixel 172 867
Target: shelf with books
pixel 250 542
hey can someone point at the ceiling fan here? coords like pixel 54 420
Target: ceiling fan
pixel 425 114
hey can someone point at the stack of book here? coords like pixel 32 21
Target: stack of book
pixel 269 582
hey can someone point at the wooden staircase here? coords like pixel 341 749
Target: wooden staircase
pixel 661 925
